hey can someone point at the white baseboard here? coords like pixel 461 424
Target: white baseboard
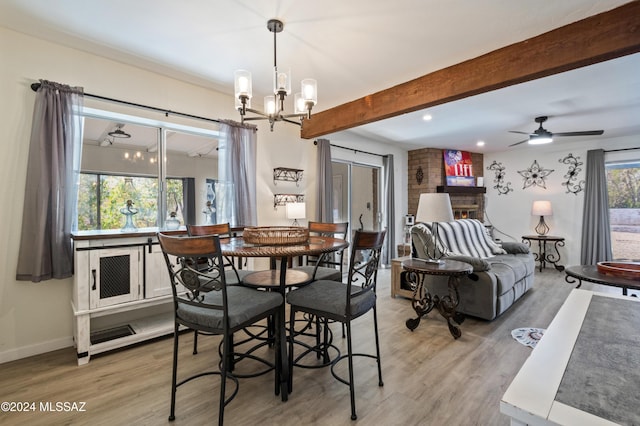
pixel 36 349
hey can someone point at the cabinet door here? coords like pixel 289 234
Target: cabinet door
pixel 114 276
pixel 157 282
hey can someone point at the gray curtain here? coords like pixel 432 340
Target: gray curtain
pixel 389 203
pixel 237 165
pixel 324 202
pixel 596 232
pixel 53 168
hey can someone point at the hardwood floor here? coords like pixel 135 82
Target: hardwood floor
pixel 429 378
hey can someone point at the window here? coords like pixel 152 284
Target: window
pixel 128 166
pixel 102 196
pixel 623 186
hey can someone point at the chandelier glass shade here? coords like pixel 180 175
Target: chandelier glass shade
pixel 274 109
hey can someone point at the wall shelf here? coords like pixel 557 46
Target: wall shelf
pixel 282 199
pixel 461 189
pixel 287 175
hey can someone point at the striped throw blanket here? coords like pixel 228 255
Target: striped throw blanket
pixel 468 237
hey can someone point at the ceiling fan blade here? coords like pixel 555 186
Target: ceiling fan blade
pixel 518 143
pixel 522 133
pixel 585 133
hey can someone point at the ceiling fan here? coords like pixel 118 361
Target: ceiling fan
pixel 542 135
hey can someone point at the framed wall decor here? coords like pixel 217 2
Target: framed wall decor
pixel 458 168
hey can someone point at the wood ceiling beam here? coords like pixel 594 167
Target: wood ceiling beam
pixel 599 38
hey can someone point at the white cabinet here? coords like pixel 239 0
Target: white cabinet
pixel 121 293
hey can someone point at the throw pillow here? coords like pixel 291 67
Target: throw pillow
pixel 515 247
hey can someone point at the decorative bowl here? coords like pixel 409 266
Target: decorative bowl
pixel 628 270
pixel 275 235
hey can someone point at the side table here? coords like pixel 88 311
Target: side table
pixel 590 273
pixel 398 276
pixel 543 256
pixel 423 301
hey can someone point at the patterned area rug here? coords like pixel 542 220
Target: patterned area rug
pixel 528 336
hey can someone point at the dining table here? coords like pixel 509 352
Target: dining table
pixel 282 278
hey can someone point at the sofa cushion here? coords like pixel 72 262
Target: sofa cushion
pixel 508 269
pixel 479 265
pixel 468 237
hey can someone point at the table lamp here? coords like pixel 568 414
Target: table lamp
pixel 542 209
pixel 296 211
pixel 434 208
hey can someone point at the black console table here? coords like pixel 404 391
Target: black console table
pixel 543 256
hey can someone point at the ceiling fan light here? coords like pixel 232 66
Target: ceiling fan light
pixel 119 133
pixel 540 140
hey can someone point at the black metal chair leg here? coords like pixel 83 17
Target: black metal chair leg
pixel 226 353
pixel 292 333
pixel 195 342
pixel 174 375
pixel 378 359
pixel 352 391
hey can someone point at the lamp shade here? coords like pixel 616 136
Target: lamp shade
pixel 434 207
pixel 296 211
pixel 541 208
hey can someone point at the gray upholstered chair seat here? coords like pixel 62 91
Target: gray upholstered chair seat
pixel 331 297
pixel 322 273
pixel 244 303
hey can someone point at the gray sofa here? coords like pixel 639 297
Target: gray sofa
pixel 501 273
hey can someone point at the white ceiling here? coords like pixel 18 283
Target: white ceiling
pixel 354 48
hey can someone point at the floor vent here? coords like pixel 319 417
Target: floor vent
pixel 111 333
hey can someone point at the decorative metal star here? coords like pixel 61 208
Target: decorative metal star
pixel 534 175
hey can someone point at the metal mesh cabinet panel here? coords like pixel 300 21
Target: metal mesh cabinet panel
pixel 115 276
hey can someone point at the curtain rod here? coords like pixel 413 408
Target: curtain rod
pixel 36 86
pixel 353 149
pixel 621 149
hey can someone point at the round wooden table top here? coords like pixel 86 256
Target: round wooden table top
pixel 315 245
pixel 590 273
pixel 271 278
pixel 444 267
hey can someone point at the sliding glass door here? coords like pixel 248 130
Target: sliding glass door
pixel 357 195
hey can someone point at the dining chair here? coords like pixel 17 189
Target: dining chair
pixel 327 266
pixel 343 303
pixel 233 275
pixel 223 230
pixel 206 303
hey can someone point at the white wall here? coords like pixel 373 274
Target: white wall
pixel 511 213
pixel 37 318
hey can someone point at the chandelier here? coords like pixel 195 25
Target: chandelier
pixel 274 104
